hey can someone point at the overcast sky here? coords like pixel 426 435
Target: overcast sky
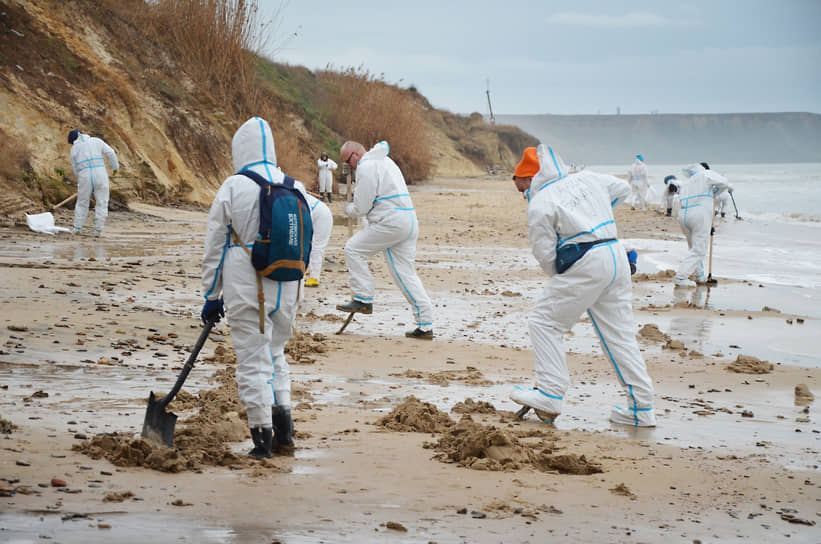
pixel 570 57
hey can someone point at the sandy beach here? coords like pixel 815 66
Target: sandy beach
pixel 399 440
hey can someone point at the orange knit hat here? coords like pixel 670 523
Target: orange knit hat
pixel 529 165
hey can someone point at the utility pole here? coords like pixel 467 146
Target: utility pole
pixel 489 107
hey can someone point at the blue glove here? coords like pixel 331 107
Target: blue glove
pixel 212 309
pixel 632 257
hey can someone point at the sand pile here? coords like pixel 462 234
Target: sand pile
pixel 303 345
pixel 484 447
pixel 470 406
pixel 747 364
pixel 201 439
pixel 413 415
pixel 662 275
pixel 475 446
pixel 652 333
pixel 470 375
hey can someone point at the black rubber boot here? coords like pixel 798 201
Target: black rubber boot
pixel 669 212
pixel 263 438
pixel 329 198
pixel 283 427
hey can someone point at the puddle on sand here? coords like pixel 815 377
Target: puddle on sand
pixel 139 529
pixel 769 338
pixel 732 295
pixel 133 245
pixel 121 528
pixel 100 398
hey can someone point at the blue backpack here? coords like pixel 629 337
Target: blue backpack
pixel 283 244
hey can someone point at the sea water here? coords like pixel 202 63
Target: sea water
pixel 778 239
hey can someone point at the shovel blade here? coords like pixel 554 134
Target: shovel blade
pixel 159 424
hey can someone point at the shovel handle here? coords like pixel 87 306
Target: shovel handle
pixel 66 201
pixel 189 364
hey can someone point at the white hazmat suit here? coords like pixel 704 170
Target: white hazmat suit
pixel 695 217
pixel 723 201
pixel 326 177
pixel 639 183
pixel 88 164
pixel 263 376
pixel 392 229
pixel 323 223
pixel 565 210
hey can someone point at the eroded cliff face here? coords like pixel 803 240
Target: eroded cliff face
pixel 68 66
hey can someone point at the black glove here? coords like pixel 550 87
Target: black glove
pixel 212 309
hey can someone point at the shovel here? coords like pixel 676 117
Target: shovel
pixel 159 424
pixel 736 209
pixel 44 222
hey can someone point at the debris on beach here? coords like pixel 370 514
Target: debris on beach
pixel 803 395
pixel 6 426
pixel 623 490
pixel 747 364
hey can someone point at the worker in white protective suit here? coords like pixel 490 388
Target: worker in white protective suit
pixel 392 229
pixel 326 178
pixel 88 156
pixel 695 217
pixel 263 376
pixel 573 237
pixel 323 223
pixel 670 191
pixel 723 201
pixel 639 183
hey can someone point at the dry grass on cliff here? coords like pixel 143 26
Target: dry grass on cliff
pixel 364 108
pixel 213 40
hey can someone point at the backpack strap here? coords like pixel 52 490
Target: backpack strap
pixel 259 180
pixel 262 182
pixel 260 292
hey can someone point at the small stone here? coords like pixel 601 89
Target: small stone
pixel 396 526
pixel 58 482
pixel 477 514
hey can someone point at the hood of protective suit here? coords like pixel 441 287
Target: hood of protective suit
pixel 253 144
pixel 551 168
pixel 692 170
pixel 378 151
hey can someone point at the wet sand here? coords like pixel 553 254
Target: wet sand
pixel 90 326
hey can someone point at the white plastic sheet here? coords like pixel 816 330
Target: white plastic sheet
pixel 44 222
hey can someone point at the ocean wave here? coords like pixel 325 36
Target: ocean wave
pixel 802 218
